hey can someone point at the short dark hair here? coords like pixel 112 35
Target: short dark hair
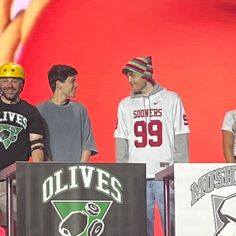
pixel 61 73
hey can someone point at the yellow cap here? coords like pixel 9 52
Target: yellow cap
pixel 12 70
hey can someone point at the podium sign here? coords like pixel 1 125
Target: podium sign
pixel 205 199
pixel 71 199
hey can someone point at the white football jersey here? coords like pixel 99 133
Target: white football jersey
pixel 150 124
pixel 229 124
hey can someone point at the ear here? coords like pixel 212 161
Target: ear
pixel 59 84
pixel 22 85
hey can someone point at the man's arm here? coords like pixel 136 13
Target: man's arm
pixel 181 153
pixel 228 143
pixel 37 147
pixel 85 156
pixel 122 150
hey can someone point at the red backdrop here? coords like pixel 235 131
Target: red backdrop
pixel 193 48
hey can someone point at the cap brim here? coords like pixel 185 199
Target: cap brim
pixel 126 70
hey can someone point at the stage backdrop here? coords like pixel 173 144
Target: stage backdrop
pixel 192 44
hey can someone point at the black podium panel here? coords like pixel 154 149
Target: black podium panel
pixel 71 199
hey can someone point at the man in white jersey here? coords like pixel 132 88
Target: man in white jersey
pixel 152 128
pixel 229 136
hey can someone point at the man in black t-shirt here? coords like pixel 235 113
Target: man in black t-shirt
pixel 21 130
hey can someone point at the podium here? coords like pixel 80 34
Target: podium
pixel 205 198
pixel 75 199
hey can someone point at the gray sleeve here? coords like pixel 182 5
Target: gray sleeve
pixel 122 150
pixel 181 153
pixel 88 142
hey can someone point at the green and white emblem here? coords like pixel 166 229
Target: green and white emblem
pixel 8 134
pixel 81 218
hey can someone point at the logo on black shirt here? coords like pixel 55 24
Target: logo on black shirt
pixel 8 134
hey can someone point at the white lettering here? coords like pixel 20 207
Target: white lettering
pixel 59 187
pixel 117 187
pixel 11 116
pixel 102 182
pixel 87 177
pixel 73 177
pixel 47 189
